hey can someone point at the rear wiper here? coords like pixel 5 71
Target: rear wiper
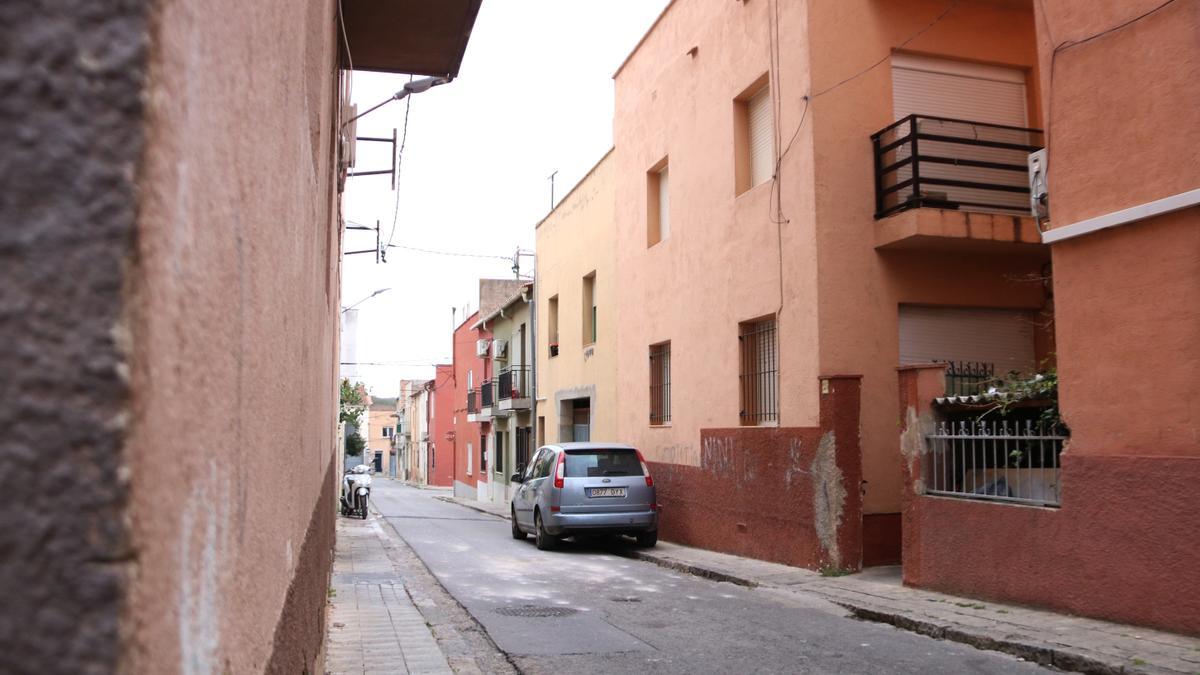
pixel 616 472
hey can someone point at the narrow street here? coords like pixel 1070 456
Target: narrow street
pixel 584 608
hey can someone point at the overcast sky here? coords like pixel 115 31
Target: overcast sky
pixel 534 94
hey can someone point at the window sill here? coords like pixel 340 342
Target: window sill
pixel 661 426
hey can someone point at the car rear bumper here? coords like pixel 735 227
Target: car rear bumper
pixel 596 523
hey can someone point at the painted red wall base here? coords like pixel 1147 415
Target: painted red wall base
pixel 788 495
pixel 1124 546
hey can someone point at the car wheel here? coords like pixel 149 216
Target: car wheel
pixel 541 537
pixel 647 539
pixel 517 533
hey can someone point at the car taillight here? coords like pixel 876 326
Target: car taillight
pixel 645 469
pixel 560 470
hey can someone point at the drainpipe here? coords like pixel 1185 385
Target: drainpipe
pixel 533 418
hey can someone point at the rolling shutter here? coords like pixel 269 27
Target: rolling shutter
pixel 970 92
pixel 964 91
pixel 998 336
pixel 762 135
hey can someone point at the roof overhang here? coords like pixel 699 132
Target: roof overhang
pixel 407 36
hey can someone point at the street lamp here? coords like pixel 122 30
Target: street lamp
pixel 414 87
pixel 382 290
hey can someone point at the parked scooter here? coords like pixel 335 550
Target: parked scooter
pixel 356 488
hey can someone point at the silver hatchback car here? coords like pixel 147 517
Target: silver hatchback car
pixel 585 488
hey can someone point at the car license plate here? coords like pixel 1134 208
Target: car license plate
pixel 607 492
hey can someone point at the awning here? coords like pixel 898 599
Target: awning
pixel 422 37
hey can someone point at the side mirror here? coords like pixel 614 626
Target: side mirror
pixel 516 478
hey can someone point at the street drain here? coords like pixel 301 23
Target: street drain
pixel 626 599
pixel 535 611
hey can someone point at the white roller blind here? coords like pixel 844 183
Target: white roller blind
pixel 1000 336
pixel 970 92
pixel 965 91
pixel 762 134
pixel 664 205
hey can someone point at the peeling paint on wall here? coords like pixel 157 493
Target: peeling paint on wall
pixel 829 497
pixel 912 444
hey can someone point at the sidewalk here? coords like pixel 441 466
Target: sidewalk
pixel 1066 642
pixel 373 625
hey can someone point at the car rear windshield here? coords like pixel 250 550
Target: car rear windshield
pixel 594 463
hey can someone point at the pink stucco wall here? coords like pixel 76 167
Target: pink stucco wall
pixel 233 297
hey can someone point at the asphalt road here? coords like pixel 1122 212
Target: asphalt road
pixel 584 609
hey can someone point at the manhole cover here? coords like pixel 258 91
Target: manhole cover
pixel 535 611
pixel 626 599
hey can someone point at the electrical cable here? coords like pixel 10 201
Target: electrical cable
pixel 349 58
pixel 399 164
pixel 451 253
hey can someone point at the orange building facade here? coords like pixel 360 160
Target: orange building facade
pixel 781 269
pixel 824 209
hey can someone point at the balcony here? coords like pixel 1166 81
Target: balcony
pixel 950 183
pixel 487 401
pixel 513 388
pixel 473 405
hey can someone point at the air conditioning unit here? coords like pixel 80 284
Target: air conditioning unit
pixel 499 348
pixel 1039 191
pixel 481 347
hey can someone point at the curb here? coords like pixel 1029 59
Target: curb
pixel 1036 653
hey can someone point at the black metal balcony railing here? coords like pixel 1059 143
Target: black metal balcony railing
pixel 968 378
pixel 472 402
pixel 487 393
pixel 514 383
pixel 937 162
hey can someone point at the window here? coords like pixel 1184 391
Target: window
pixel 754 136
pixel 523 436
pixel 482 453
pixel 544 464
pixel 589 309
pixel 660 383
pixel 470 456
pixel 387 432
pixel 759 374
pixel 552 324
pixel 595 463
pixel 658 204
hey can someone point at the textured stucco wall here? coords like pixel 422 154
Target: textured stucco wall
pixel 234 296
pixel 578 238
pixel 71 78
pixel 1128 299
pixel 861 287
pixel 785 494
pixel 724 258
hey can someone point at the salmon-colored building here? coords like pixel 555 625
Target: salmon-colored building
pixel 1124 231
pixel 784 254
pixel 825 208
